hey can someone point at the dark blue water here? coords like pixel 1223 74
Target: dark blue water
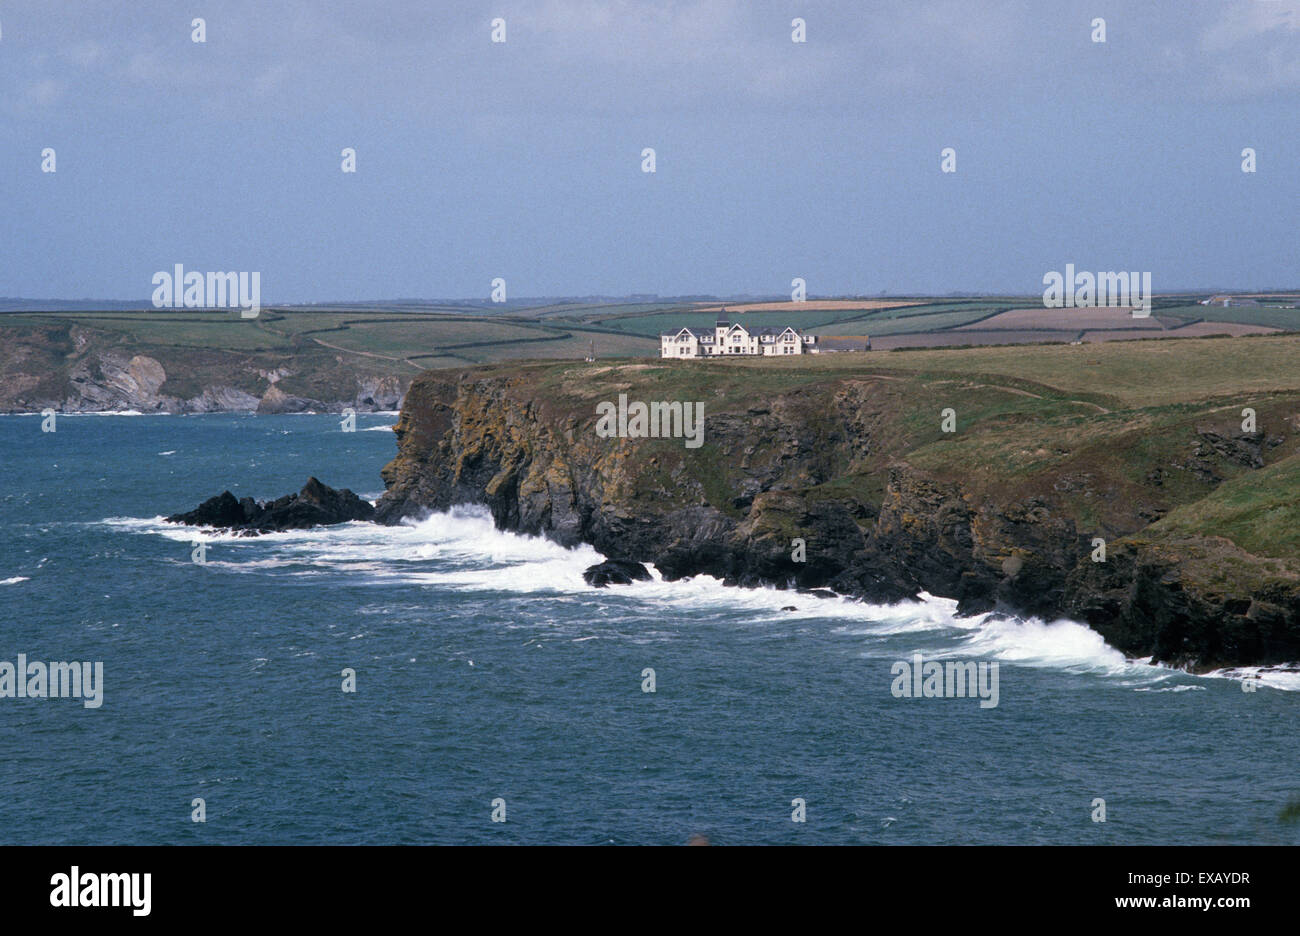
pixel 486 669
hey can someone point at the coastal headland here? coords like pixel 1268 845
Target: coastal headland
pixel 1148 488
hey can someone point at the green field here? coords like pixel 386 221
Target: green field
pixel 1272 316
pixel 895 320
pixel 412 334
pixel 170 328
pixel 1133 373
pixel 908 322
pixel 401 334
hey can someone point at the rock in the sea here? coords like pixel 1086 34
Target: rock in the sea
pixel 818 592
pixel 315 505
pixel 616 572
pixel 276 400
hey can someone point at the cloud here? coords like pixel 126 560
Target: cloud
pixel 1247 21
pixel 1253 46
pixel 633 59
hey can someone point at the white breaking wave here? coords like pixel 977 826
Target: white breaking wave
pixel 1061 643
pixel 464 537
pixel 1183 687
pixel 1274 677
pixel 462 550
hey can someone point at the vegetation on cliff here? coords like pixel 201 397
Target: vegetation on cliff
pixel 1146 446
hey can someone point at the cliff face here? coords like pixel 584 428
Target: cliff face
pixel 77 370
pixel 1002 513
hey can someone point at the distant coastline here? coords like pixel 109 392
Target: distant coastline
pixel 363 356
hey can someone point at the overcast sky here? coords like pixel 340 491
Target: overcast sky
pixel 523 159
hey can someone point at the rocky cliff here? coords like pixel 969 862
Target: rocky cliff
pixel 73 369
pixel 1038 500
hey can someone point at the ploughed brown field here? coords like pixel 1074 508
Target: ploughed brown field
pixel 949 339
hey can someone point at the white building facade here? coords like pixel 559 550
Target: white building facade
pixel 727 338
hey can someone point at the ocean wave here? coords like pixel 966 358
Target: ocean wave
pixel 462 550
pixel 1285 677
pixel 1182 687
pixel 1061 643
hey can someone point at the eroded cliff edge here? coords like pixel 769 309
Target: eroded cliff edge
pixel 74 369
pixel 850 457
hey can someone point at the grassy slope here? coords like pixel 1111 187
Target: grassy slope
pixel 1258 512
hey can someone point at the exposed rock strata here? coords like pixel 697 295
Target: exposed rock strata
pixel 72 369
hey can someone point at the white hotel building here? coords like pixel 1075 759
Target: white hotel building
pixel 726 338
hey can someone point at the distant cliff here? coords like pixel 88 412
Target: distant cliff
pixel 71 368
pixel 851 458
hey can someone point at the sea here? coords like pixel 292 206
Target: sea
pixel 446 682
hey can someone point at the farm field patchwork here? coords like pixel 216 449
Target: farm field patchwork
pixel 412 335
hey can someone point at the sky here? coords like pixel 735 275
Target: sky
pixel 523 159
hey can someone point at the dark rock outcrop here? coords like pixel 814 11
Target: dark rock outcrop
pixel 1147 600
pixel 316 504
pixel 616 572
